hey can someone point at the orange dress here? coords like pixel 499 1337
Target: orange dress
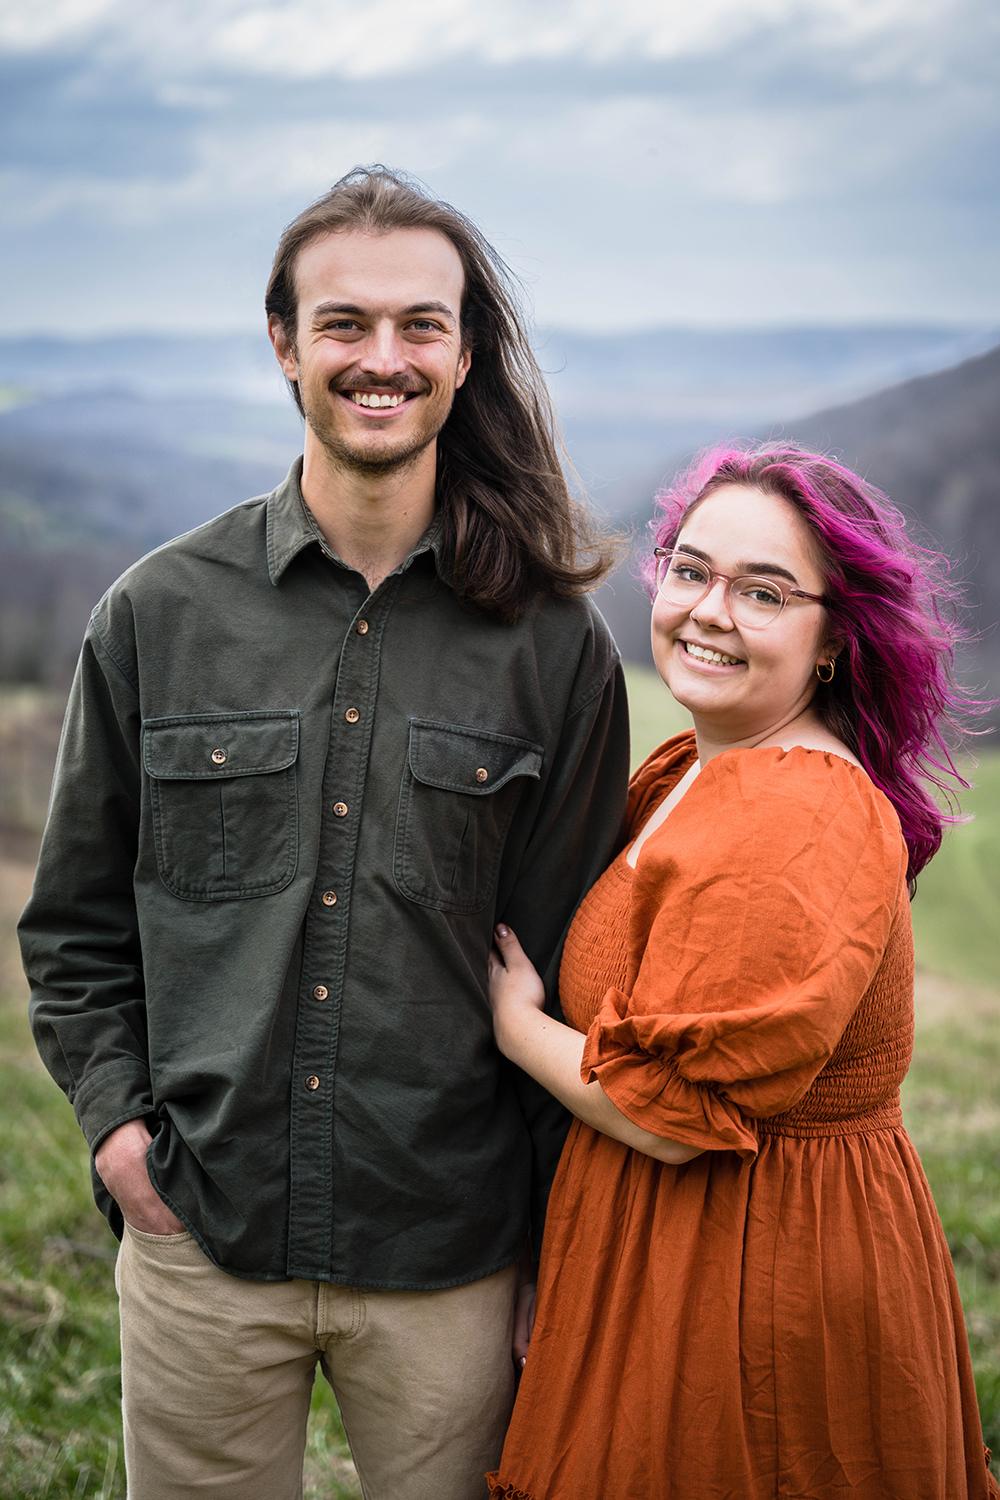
pixel 778 1317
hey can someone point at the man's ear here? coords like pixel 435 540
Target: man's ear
pixel 284 349
pixel 465 360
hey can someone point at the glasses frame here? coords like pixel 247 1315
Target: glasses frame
pixel 663 553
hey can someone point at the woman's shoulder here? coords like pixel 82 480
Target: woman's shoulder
pixel 658 772
pixel 794 770
pixel 803 798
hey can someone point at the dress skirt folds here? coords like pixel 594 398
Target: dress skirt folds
pixel 778 1317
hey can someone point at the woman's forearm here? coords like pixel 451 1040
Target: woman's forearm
pixel 552 1053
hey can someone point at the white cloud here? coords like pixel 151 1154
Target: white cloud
pixel 28 27
pixel 316 38
pixel 801 158
pixel 238 169
pixel 309 38
pixel 648 145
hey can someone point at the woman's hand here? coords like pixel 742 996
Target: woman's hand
pixel 552 1052
pixel 524 1306
pixel 515 986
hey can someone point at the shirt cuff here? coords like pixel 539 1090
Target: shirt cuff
pixel 111 1095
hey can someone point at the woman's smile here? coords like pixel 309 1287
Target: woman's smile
pixel 742 683
pixel 709 654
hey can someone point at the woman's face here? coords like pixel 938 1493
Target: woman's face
pixel 741 683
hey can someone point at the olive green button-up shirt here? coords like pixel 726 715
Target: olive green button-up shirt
pixel 286 816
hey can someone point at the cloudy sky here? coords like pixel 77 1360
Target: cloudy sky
pixel 639 162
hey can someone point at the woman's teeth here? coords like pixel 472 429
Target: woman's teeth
pixel 717 656
pixel 361 398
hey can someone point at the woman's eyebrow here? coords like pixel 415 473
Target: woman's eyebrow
pixel 772 570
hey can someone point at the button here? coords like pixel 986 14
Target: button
pixel 220 757
pixel 312 1083
pixel 482 774
pixel 320 992
pixel 362 627
pixel 340 809
pixel 329 898
pixel 352 716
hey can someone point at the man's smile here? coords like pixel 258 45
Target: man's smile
pixel 372 398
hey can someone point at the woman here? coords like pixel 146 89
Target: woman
pixel 745 1290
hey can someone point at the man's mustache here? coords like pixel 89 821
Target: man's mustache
pixel 397 383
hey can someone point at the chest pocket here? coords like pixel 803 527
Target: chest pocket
pixel 459 792
pixel 224 802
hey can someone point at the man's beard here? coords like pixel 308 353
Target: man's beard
pixel 370 462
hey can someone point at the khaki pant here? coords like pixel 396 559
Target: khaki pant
pixel 217 1375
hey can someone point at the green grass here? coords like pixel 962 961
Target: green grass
pixel 654 713
pixel 60 1418
pixel 956 913
pixel 951 1103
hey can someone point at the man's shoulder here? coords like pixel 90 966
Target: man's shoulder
pixel 572 636
pixel 208 562
pixel 236 538
pixel 232 536
pixel 576 616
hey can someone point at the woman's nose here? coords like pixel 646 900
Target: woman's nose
pixel 713 608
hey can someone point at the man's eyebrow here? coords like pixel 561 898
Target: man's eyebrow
pixel 422 307
pixel 326 309
pixel 758 569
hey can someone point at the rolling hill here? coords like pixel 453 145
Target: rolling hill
pixel 110 446
pixel 933 445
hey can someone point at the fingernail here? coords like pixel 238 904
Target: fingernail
pixel 521 1361
pixel 502 931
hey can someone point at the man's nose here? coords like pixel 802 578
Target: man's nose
pixel 384 352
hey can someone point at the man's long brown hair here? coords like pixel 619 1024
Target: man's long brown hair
pixel 512 529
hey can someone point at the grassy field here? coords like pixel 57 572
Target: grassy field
pixel 60 1427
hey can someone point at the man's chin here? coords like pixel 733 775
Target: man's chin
pixel 376 460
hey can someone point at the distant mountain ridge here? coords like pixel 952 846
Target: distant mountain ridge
pixel 933 445
pixel 110 446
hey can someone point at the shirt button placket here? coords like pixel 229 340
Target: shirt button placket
pixel 313 1238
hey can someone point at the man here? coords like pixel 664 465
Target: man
pixel 314 751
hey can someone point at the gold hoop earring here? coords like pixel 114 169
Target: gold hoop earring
pixel 831 664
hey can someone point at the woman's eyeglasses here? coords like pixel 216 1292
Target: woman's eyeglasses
pixel 754 602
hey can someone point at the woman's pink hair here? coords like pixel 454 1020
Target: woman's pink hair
pixel 893 695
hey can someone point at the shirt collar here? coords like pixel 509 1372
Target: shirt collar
pixel 291 527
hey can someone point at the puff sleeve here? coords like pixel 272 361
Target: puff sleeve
pixel 760 911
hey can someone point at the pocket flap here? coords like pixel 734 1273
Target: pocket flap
pixel 476 761
pixel 204 747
